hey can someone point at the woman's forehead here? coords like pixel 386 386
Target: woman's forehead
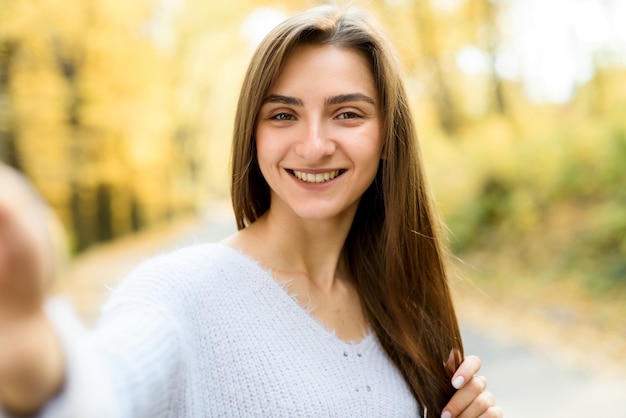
pixel 325 66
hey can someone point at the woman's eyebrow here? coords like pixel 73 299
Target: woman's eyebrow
pixel 277 98
pixel 334 100
pixel 350 97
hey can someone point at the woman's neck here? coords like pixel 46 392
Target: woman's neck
pixel 292 246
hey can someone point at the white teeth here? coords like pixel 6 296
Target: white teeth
pixel 316 178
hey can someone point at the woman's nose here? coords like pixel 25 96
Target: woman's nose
pixel 316 143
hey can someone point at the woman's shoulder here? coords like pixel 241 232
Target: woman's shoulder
pixel 195 259
pixel 181 273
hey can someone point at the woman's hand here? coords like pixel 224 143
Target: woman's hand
pixel 24 264
pixel 31 365
pixel 472 399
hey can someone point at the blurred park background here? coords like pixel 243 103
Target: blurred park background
pixel 121 113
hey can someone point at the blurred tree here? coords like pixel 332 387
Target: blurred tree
pixel 440 89
pixel 87 99
pixel 484 14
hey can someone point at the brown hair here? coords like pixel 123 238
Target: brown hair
pixel 393 249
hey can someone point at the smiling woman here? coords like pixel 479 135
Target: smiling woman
pixel 330 300
pixel 323 95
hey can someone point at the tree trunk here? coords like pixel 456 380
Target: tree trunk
pixel 8 148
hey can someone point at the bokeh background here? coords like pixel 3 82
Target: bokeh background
pixel 121 112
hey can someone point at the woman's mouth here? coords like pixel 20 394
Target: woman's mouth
pixel 317 177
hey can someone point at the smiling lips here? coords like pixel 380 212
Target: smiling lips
pixel 316 177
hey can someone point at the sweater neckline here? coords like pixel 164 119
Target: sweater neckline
pixel 293 304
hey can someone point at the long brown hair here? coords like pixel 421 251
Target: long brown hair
pixel 394 248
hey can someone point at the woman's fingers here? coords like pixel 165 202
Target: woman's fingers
pixel 466 371
pixel 471 396
pixel 471 399
pixel 480 406
pixel 24 258
pixel 492 412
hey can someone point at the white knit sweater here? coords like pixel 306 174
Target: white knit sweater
pixel 206 332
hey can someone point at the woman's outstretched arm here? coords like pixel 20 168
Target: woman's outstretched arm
pixel 49 364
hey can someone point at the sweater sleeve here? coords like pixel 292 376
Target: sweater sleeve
pixel 140 344
pixel 122 369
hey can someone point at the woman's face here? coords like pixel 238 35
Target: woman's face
pixel 318 133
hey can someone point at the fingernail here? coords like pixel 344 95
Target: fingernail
pixel 446 414
pixel 458 382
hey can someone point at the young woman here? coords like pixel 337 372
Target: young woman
pixel 330 300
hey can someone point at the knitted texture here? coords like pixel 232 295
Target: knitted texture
pixel 206 332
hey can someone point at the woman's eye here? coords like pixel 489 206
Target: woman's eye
pixel 348 115
pixel 282 116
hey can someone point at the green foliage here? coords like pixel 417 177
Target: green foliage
pixel 556 194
